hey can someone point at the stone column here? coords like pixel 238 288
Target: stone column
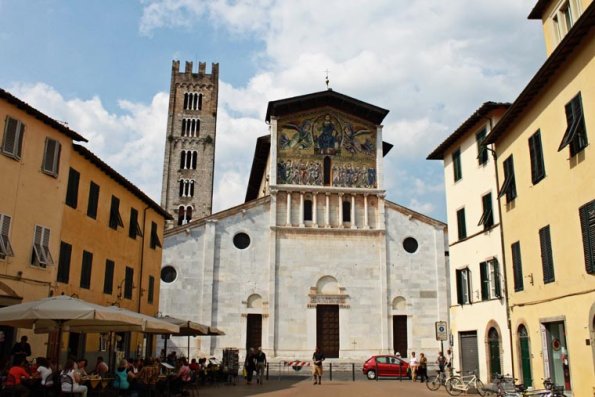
pixel 288 222
pixel 327 212
pixel 314 210
pixel 301 209
pixel 340 210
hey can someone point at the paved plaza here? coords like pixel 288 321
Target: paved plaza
pixel 302 388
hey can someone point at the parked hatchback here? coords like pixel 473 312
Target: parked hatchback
pixel 385 366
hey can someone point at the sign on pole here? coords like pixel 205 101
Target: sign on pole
pixel 441 331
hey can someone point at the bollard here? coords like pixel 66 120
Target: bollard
pixel 353 371
pixel 331 370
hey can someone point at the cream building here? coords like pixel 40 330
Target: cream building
pixel 316 255
pixel 547 169
pixel 478 311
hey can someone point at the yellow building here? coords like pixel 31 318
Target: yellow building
pixel 547 204
pixel 69 224
pixel 110 248
pixel 34 157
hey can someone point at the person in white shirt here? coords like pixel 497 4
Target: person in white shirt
pixel 45 371
pixel 72 384
pixel 414 365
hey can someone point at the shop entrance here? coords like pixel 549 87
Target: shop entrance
pixel 468 351
pixel 557 353
pixel 400 335
pixel 254 331
pixel 525 356
pixel 327 330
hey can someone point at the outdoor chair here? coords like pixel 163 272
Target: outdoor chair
pixel 66 379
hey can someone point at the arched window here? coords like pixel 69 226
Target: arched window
pixel 186 101
pixel 181 213
pixel 307 210
pixel 197 127
pixel 183 127
pixel 194 159
pixel 195 102
pixel 182 159
pixel 188 214
pixel 346 211
pixel 494 351
pixel 327 171
pixel 181 188
pixel 188 160
pixel 191 188
pixel 525 356
pixel 199 101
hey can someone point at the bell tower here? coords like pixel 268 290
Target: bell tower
pixel 189 162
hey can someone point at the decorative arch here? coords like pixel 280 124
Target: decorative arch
pixel 327 285
pixel 254 301
pixel 328 291
pixel 399 304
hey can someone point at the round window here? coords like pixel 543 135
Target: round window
pixel 241 241
pixel 168 274
pixel 410 245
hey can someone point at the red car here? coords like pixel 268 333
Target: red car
pixel 385 366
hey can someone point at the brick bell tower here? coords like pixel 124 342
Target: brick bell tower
pixel 189 163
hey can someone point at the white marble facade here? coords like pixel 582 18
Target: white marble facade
pixel 294 263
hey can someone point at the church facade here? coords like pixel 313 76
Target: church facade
pixel 316 256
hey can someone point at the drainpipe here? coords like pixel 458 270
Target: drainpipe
pixel 142 261
pixel 508 321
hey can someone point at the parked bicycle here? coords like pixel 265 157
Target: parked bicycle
pixel 434 382
pixel 504 386
pixel 463 383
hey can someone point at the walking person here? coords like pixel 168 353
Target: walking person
pixel 318 358
pixel 250 365
pixel 261 364
pixel 423 367
pixel 449 362
pixel 414 365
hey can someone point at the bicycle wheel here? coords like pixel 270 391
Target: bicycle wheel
pixel 454 386
pixel 480 387
pixel 434 383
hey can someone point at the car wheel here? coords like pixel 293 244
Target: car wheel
pixel 371 374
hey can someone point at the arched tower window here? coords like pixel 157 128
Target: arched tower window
pixel 346 211
pixel 186 100
pixel 327 171
pixel 182 159
pixel 181 188
pixel 188 214
pixel 199 101
pixel 183 127
pixel 194 159
pixel 181 214
pixel 307 210
pixel 191 189
pixel 188 160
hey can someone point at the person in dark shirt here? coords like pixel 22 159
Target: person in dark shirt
pixel 318 358
pixel 20 351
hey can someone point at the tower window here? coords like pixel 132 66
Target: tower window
pixel 184 214
pixel 192 101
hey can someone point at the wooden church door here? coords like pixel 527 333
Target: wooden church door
pixel 327 330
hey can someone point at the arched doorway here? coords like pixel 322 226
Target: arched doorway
pixel 327 318
pixel 494 352
pixel 254 323
pixel 525 356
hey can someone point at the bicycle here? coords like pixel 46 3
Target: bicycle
pixel 463 383
pixel 435 382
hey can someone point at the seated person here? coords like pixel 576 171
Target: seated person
pixel 101 367
pixel 70 379
pixel 147 377
pixel 123 376
pixel 194 365
pixel 183 376
pixel 82 366
pixel 16 374
pixel 44 372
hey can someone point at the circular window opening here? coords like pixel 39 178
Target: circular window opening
pixel 168 274
pixel 241 241
pixel 410 245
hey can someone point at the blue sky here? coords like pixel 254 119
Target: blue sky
pixel 103 66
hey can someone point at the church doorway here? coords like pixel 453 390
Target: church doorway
pixel 327 330
pixel 254 331
pixel 400 335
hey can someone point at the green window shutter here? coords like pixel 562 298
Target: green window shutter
pixel 64 263
pixel 547 258
pixel 93 200
pixel 517 266
pixel 461 225
pixel 497 287
pixel 128 280
pixel 587 217
pixel 86 270
pixel 485 281
pixel 108 281
pixel 456 161
pixel 151 293
pixel 72 189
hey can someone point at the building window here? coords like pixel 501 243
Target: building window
pixel 536 154
pixel 108 281
pixel 183 160
pixel 456 162
pixel 241 241
pixel 12 141
pixel 547 258
pixel 346 211
pixel 587 217
pixel 154 236
pixel 86 270
pixel 128 282
pixel 51 157
pixel 487 216
pixel 490 280
pixel 184 215
pixel 461 227
pixel 41 247
pixel 168 274
pixel 517 266
pixel 64 263
pixel 190 127
pixel 509 185
pixel 186 188
pixel 134 228
pixel 463 286
pixel 194 159
pixel 93 200
pixel 151 292
pixel 5 246
pixel 192 101
pixel 575 135
pixel 115 219
pixel 410 245
pixel 307 210
pixel 482 153
pixel 72 191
